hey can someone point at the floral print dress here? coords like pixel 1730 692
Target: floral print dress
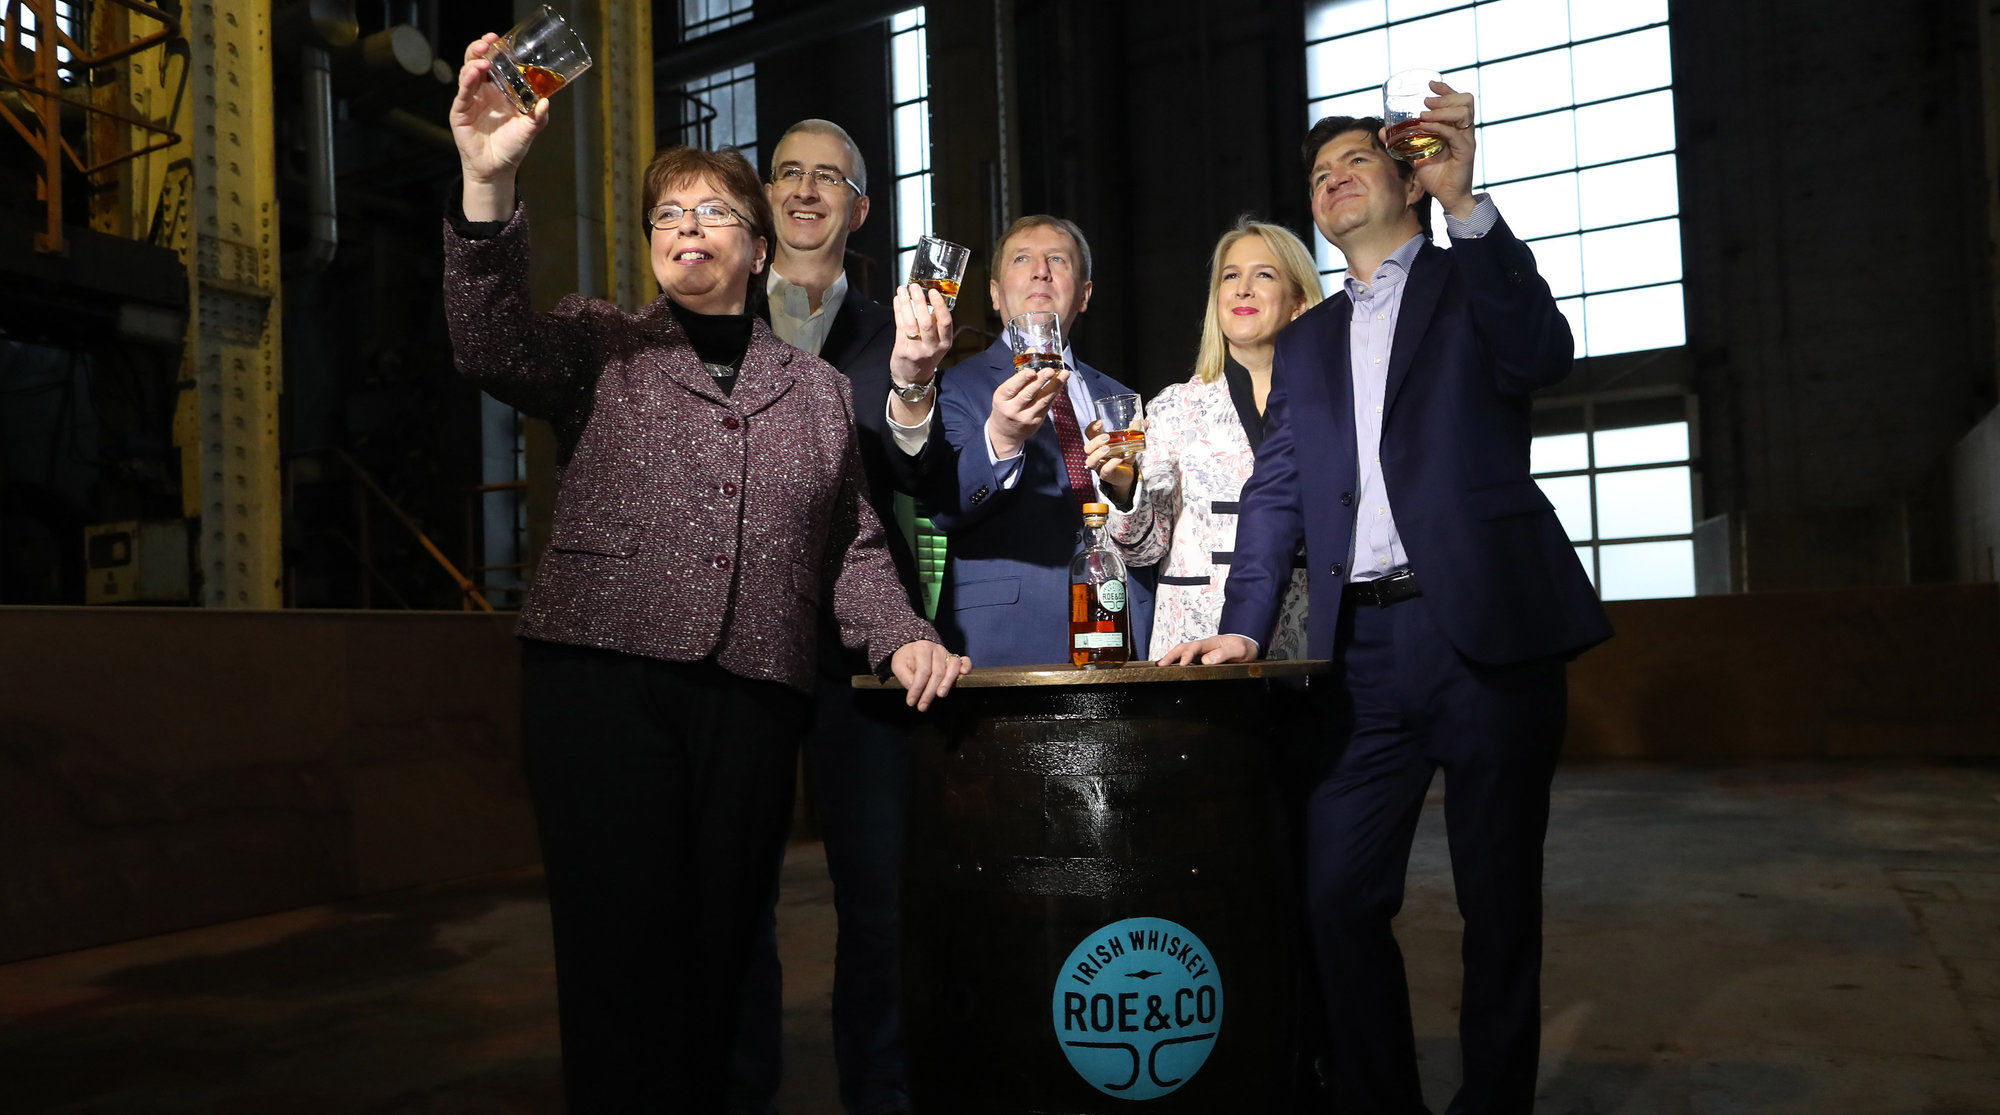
pixel 1198 455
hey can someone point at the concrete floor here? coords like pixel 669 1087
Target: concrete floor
pixel 1797 938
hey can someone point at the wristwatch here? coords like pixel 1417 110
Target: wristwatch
pixel 912 392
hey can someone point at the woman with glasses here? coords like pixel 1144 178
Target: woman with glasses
pixel 708 501
pixel 1202 438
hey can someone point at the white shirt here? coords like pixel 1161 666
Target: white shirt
pixel 792 317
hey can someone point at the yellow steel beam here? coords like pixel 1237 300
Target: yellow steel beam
pixel 625 106
pixel 234 327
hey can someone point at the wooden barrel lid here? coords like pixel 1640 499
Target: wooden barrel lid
pixel 1137 673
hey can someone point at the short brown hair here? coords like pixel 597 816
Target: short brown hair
pixel 674 166
pixel 1331 128
pixel 1043 220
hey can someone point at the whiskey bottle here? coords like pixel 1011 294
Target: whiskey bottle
pixel 1100 621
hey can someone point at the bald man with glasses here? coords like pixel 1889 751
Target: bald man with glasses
pixel 855 755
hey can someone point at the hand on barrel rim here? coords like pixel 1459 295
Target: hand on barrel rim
pixel 927 671
pixel 1212 651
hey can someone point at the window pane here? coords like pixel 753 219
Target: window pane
pixel 913 209
pixel 1572 308
pixel 1533 84
pixel 1328 256
pixel 1589 567
pixel 1571 495
pixel 1637 504
pixel 1636 191
pixel 1341 65
pixel 913 141
pixel 904 20
pixel 1538 207
pixel 1537 145
pixel 1626 64
pixel 1404 9
pixel 1642 445
pixel 1634 320
pixel 1560 262
pixel 1334 17
pixel 904 260
pixel 1559 453
pixel 1622 129
pixel 1367 102
pixel 1518 26
pixel 1641 570
pixel 1591 18
pixel 1438 43
pixel 908 81
pixel 1633 255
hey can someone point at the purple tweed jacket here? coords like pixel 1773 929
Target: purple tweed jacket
pixel 688 522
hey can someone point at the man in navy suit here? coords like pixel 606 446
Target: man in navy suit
pixel 1005 466
pixel 1441 584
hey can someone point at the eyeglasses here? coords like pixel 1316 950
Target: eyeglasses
pixel 710 213
pixel 792 177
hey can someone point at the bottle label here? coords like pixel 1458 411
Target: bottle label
pixel 1099 640
pixel 1111 594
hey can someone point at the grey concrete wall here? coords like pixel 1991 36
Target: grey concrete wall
pixel 1834 199
pixel 166 768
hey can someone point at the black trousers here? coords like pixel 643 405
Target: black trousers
pixel 663 795
pixel 1415 706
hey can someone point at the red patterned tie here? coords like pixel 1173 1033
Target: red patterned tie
pixel 1063 416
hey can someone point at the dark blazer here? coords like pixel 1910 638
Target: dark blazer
pixel 1478 331
pixel 860 343
pixel 688 522
pixel 1006 592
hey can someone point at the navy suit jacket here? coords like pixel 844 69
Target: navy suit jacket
pixel 1006 589
pixel 1477 333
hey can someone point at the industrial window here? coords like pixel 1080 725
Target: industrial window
pixel 1575 130
pixel 910 131
pixel 30 37
pixel 1620 473
pixel 720 110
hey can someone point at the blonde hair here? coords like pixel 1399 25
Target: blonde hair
pixel 1294 264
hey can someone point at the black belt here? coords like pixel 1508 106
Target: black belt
pixel 1384 591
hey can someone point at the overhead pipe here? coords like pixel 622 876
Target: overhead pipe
pixel 323 235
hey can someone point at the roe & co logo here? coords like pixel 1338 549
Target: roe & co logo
pixel 1137 1007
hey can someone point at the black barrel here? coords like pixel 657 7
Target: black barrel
pixel 1098 907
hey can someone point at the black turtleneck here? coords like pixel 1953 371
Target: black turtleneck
pixel 719 340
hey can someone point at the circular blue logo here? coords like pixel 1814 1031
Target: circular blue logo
pixel 1137 1008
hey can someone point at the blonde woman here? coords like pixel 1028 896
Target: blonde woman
pixel 1201 442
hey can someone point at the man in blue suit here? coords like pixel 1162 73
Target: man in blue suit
pixel 1004 468
pixel 1441 584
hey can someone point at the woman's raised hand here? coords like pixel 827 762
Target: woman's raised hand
pixel 492 137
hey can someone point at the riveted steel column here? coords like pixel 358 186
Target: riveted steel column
pixel 234 335
pixel 626 104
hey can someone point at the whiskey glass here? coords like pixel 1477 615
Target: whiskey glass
pixel 539 56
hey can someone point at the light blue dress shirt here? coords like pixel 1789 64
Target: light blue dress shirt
pixel 1378 549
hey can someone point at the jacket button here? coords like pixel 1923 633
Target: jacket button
pixel 1347 499
pixel 728 488
pixel 730 422
pixel 1338 569
pixel 722 562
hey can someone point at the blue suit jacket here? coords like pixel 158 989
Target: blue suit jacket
pixel 1478 332
pixel 1005 599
